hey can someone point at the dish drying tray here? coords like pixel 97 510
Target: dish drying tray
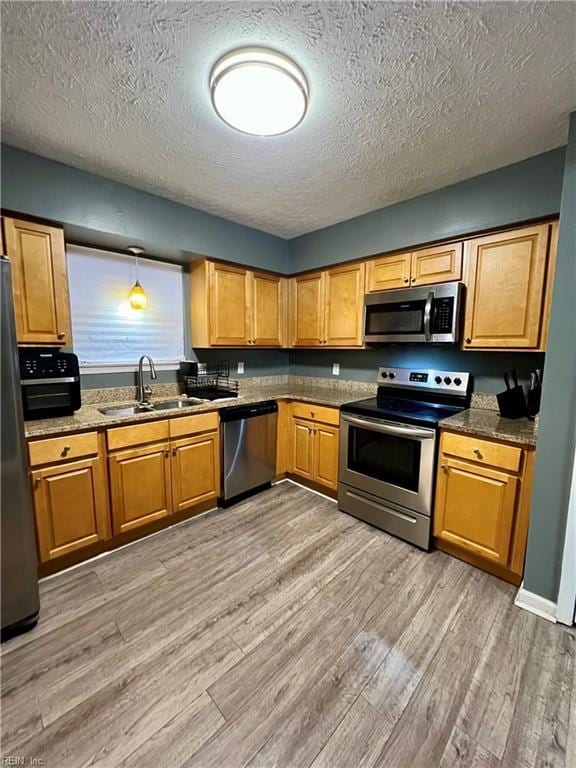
pixel 212 383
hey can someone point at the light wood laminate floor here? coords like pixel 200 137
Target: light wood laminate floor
pixel 284 633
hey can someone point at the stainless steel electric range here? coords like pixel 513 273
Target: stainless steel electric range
pixel 388 449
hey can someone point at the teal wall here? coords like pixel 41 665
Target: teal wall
pixel 555 454
pixel 361 364
pixel 97 211
pixel 520 192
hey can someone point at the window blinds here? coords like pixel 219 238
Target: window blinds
pixel 105 329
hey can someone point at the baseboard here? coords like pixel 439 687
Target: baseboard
pixel 306 487
pixel 532 602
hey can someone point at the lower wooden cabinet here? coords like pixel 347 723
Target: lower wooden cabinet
pixel 195 470
pixel 140 486
pixel 70 506
pixel 302 449
pixel 161 468
pixel 314 445
pixel 476 508
pixel 326 440
pixel 482 499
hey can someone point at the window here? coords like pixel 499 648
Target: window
pixel 106 331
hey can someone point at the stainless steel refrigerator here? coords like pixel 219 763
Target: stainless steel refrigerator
pixel 19 585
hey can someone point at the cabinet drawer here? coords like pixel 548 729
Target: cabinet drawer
pixel 316 413
pixel 482 451
pixel 190 425
pixel 137 434
pixel 56 449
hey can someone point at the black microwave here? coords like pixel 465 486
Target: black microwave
pixel 429 314
pixel 49 381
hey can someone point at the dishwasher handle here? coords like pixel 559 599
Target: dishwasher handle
pixel 238 412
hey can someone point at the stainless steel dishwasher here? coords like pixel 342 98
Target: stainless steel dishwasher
pixel 248 449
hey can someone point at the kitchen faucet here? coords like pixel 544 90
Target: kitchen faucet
pixel 145 391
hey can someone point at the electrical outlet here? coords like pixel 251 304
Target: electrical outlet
pixel 240 367
pixel 335 369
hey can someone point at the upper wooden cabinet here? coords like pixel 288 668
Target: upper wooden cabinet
pixel 308 309
pixel 39 282
pixel 269 310
pixel 506 289
pixel 439 264
pixel 388 272
pixel 229 310
pixel 236 307
pixel 327 307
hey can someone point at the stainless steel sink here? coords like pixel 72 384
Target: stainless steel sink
pixel 132 410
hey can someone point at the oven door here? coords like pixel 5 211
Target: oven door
pixel 389 460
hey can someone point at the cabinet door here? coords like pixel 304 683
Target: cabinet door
pixel 229 311
pixel 302 449
pixel 140 486
pixel 39 282
pixel 268 305
pixel 344 306
pixel 71 507
pixel 475 509
pixel 195 470
pixel 308 311
pixel 386 272
pixel 440 264
pixel 505 291
pixel 326 440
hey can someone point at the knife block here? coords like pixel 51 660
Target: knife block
pixel 512 403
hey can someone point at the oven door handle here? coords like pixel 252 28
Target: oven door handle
pixel 427 316
pixel 391 429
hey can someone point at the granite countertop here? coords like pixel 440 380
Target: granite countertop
pixel 483 422
pixel 487 423
pixel 89 416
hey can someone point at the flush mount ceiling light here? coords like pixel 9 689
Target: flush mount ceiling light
pixel 137 297
pixel 259 91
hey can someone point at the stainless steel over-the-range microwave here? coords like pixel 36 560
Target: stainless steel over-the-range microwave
pixel 429 313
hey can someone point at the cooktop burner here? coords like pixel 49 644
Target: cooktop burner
pixel 407 411
pixel 421 397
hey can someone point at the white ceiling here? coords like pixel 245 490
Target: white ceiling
pixel 406 97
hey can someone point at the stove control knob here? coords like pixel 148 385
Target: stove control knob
pixel 392 375
pixel 438 379
pixel 457 381
pixel 384 375
pixel 447 380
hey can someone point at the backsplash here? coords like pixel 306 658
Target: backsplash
pixel 361 364
pixel 355 366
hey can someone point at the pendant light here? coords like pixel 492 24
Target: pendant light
pixel 137 297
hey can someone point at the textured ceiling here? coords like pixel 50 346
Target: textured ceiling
pixel 406 97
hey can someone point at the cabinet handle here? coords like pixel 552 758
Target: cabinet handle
pixel 406 279
pixel 312 414
pixel 61 334
pixel 444 467
pixel 173 451
pixel 478 453
pixel 468 340
pixel 166 453
pixel 413 279
pixel 65 450
pixel 37 481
